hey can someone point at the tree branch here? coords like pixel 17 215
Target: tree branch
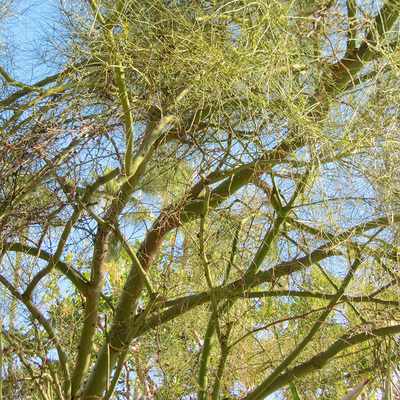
pixel 319 361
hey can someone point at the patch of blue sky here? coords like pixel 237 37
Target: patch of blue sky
pixel 25 36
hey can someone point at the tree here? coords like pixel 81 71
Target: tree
pixel 203 202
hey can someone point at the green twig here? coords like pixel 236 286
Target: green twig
pixel 206 264
pixel 388 383
pixel 205 357
pixel 134 259
pixel 129 337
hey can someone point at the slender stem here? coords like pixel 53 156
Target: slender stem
pixel 388 383
pixel 205 357
pixel 20 93
pixel 206 266
pixel 128 118
pixel 36 100
pixel 292 386
pixel 316 295
pixel 351 25
pixel 134 259
pixel 233 251
pixel 74 276
pixel 97 12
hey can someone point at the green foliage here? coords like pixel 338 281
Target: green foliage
pixel 203 202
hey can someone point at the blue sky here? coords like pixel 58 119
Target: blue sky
pixel 22 36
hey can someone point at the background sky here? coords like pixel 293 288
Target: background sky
pixel 25 35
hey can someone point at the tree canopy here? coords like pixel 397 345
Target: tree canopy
pixel 200 200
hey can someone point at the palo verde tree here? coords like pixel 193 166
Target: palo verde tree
pixel 202 202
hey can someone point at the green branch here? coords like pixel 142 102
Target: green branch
pixel 346 69
pixel 314 295
pixel 319 361
pixel 20 109
pixel 259 392
pixel 28 89
pixel 206 266
pixel 128 118
pixel 129 337
pixel 74 276
pixel 351 25
pixel 89 325
pixel 25 87
pixel 134 260
pixel 205 357
pixel 221 364
pixel 272 234
pixel 209 336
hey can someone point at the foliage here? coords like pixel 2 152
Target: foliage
pixel 203 203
